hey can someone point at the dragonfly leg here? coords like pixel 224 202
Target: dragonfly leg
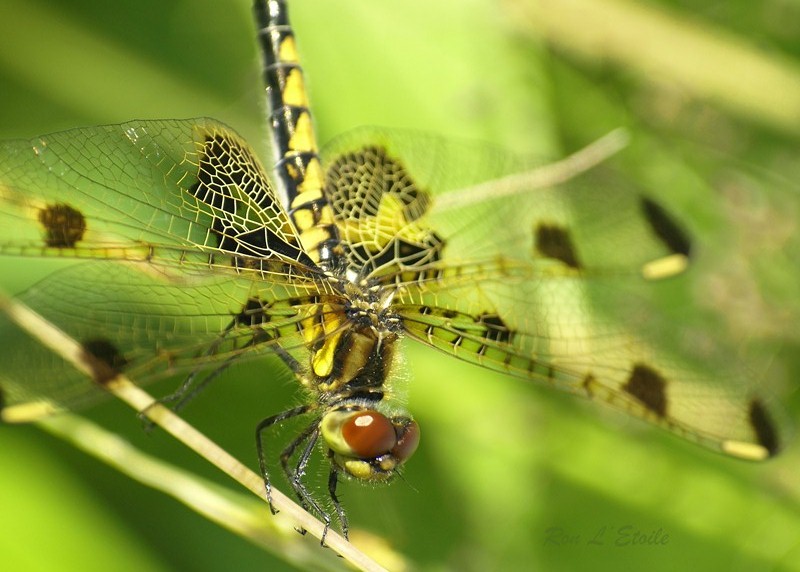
pixel 333 481
pixel 309 436
pixel 263 425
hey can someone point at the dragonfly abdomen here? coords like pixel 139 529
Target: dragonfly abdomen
pixel 295 147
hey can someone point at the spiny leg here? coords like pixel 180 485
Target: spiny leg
pixel 310 435
pixel 333 481
pixel 289 451
pixel 189 389
pixel 262 426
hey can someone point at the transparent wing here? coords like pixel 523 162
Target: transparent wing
pixel 149 329
pixel 189 191
pixel 477 203
pixel 538 283
pixel 173 249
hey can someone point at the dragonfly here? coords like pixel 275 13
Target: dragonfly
pixel 179 251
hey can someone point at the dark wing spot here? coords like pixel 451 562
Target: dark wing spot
pixel 554 241
pixel 253 313
pixel 496 328
pixel 410 252
pixel 764 428
pixel 371 259
pixel 225 165
pixel 363 183
pixel 63 225
pixel 665 227
pixel 588 384
pixel 417 203
pixel 357 181
pixel 259 242
pixel 398 250
pixel 648 387
pixel 103 359
pixel 427 250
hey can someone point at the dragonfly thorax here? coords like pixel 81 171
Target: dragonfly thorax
pixel 370 305
pixel 352 344
pixel 351 363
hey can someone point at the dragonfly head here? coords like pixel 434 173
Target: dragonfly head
pixel 366 444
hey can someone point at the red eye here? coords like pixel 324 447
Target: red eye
pixel 369 434
pixel 407 441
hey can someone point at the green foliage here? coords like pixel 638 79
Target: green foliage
pixel 509 476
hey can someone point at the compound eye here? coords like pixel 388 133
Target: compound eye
pixel 407 440
pixel 369 434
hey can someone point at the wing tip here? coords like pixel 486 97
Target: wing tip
pixel 766 442
pixel 27 412
pixel 746 451
pixel 665 267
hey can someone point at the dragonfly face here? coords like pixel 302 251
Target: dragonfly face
pixel 181 255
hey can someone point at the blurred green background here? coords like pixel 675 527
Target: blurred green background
pixel 509 476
